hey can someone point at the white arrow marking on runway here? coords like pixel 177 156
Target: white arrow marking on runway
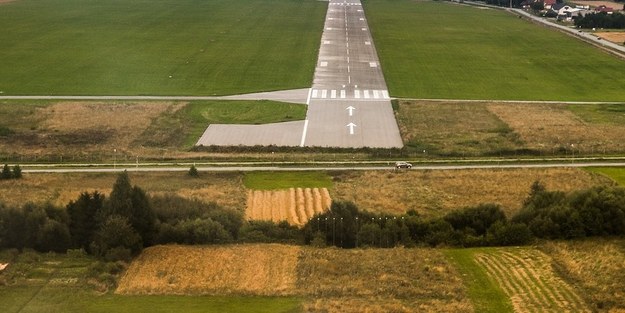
pixel 351 128
pixel 351 110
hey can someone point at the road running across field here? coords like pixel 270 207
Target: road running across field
pixel 356 167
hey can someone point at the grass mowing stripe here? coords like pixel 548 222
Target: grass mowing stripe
pixel 510 286
pixel 485 293
pixel 552 295
pixel 435 49
pixel 283 180
pixel 615 173
pixel 533 293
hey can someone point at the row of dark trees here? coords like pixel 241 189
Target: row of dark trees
pixel 545 214
pixel 119 226
pixel 601 20
pixel 7 173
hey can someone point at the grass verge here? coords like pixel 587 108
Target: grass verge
pixel 615 173
pixel 485 294
pixel 285 180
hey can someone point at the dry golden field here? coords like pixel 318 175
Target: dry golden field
pixel 458 128
pixel 380 280
pixel 225 189
pixel 329 280
pixel 80 129
pixel 549 127
pixel 597 266
pixel 294 205
pixel 434 193
pixel 241 269
pixel 527 277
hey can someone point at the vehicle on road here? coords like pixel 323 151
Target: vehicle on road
pixel 402 164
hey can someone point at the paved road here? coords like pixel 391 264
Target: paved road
pixel 309 168
pixel 349 102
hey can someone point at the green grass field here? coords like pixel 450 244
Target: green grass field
pixel 611 114
pixel 483 291
pixel 282 180
pixel 441 50
pixel 158 47
pixel 615 173
pixel 36 282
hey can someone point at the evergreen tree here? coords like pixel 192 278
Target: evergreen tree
pixel 17 172
pixel 193 171
pixel 6 172
pixel 82 216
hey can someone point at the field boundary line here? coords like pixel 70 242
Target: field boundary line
pixel 507 101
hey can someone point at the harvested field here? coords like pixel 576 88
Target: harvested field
pixel 243 269
pixel 552 128
pixel 453 128
pixel 616 37
pixel 331 280
pixel 294 205
pixel 380 280
pixel 224 189
pixel 527 277
pixel 434 193
pixel 597 266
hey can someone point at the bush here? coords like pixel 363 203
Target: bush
pixel 193 171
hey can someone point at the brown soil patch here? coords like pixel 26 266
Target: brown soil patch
pixel 527 277
pixel 294 205
pixel 434 193
pixel 244 269
pixel 380 280
pixel 224 189
pixel 6 1
pixel 549 127
pixel 597 266
pixel 616 37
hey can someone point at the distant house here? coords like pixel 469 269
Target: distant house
pixel 549 3
pixel 603 8
pixel 566 12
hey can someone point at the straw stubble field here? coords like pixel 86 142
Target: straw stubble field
pixel 294 205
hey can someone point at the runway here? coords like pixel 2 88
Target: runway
pixel 348 105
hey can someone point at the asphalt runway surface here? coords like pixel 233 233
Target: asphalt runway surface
pixel 348 104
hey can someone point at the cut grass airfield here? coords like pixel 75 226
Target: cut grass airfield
pixel 615 173
pixel 439 50
pixel 282 180
pixel 552 276
pixel 144 47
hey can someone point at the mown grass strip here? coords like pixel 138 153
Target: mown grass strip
pixel 283 180
pixel 615 173
pixel 484 292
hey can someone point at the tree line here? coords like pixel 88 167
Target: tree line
pixel 119 226
pixel 601 20
pixel 7 173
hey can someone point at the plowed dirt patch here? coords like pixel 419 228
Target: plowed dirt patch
pixel 294 205
pixel 434 193
pixel 527 277
pixel 552 128
pixel 616 37
pixel 245 269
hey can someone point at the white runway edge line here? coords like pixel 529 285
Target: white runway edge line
pixel 309 95
pixel 301 144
